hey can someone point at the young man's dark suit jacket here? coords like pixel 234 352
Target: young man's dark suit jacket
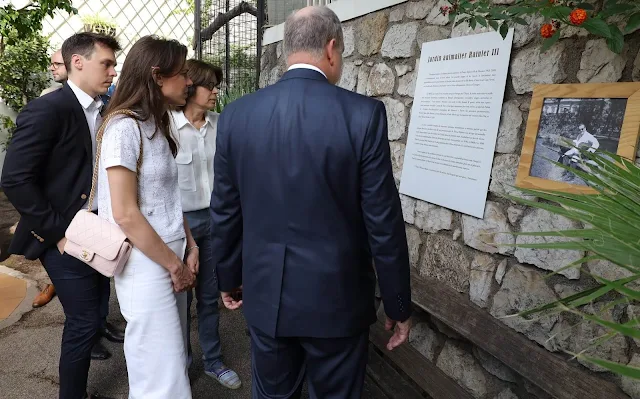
pixel 47 177
pixel 303 201
pixel 47 170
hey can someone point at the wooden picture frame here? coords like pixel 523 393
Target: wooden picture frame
pixel 570 99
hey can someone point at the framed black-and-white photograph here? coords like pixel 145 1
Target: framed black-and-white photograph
pixel 588 116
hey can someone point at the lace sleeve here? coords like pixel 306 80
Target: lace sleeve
pixel 121 144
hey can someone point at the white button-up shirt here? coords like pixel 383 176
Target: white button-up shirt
pixel 306 66
pixel 91 107
pixel 196 148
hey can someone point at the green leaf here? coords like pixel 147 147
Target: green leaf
pixel 472 22
pixel 616 41
pixel 561 12
pixel 494 25
pixel 585 6
pixel 482 20
pixel 547 43
pixel 520 21
pixel 597 27
pixel 620 369
pixel 504 30
pixel 633 23
pixel 611 9
pixel 517 10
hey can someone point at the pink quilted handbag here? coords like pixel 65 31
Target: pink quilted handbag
pixel 92 239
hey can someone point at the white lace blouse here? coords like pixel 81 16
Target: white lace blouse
pixel 158 180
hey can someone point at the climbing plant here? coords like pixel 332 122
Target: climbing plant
pixel 20 23
pixel 610 19
pixel 23 54
pixel 23 76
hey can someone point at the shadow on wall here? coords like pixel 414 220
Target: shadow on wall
pixel 4 111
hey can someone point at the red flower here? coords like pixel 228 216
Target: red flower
pixel 547 31
pixel 578 16
pixel 445 10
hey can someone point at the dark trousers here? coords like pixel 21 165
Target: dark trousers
pixel 84 295
pixel 206 293
pixel 334 367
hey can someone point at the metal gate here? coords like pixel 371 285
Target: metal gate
pixel 127 20
pixel 231 38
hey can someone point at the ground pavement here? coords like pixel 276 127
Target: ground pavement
pixel 30 348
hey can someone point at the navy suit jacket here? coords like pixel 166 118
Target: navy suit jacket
pixel 304 202
pixel 47 170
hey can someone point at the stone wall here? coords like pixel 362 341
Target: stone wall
pixel 381 60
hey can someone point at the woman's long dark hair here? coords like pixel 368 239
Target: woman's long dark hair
pixel 138 91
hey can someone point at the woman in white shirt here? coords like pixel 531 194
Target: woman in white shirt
pixel 151 288
pixel 196 133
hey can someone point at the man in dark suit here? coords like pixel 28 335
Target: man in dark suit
pixel 47 177
pixel 303 201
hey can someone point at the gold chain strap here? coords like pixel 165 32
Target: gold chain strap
pixel 103 125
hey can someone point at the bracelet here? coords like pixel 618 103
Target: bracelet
pixel 195 246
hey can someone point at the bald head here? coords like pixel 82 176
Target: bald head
pixel 311 34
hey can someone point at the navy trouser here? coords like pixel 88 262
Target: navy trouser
pixel 84 295
pixel 334 367
pixel 206 292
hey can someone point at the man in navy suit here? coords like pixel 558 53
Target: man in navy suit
pixel 304 204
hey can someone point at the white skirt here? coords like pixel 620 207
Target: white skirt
pixel 156 334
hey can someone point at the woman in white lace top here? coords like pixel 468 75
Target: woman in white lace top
pixel 152 287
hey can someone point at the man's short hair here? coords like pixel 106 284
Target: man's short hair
pixel 311 32
pixel 84 43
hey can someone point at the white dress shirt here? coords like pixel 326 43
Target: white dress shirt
pixel 91 107
pixel 196 148
pixel 306 66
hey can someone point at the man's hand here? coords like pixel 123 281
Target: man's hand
pixel 193 260
pixel 61 244
pixel 229 301
pixel 400 334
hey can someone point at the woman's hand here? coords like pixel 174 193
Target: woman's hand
pixel 182 278
pixel 193 260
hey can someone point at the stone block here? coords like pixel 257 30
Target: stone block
pixel 413 243
pixel 446 261
pixel 397 160
pixel 435 16
pixel 408 208
pixel 425 340
pixel 349 78
pixel 482 270
pixel 510 124
pixel 399 42
pixel 494 366
pixel 530 67
pixel 407 83
pixel 381 80
pixel 348 32
pixel 599 64
pixel 485 234
pixel 524 289
pixel 370 32
pixel 396 118
pixel 432 218
pixel 540 220
pixel 463 368
pixel 430 33
pixel 419 9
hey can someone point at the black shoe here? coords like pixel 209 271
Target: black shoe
pixel 112 334
pixel 99 352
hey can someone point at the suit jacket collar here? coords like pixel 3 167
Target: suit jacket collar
pixel 81 119
pixel 303 73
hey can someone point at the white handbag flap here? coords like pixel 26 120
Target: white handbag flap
pixel 95 235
